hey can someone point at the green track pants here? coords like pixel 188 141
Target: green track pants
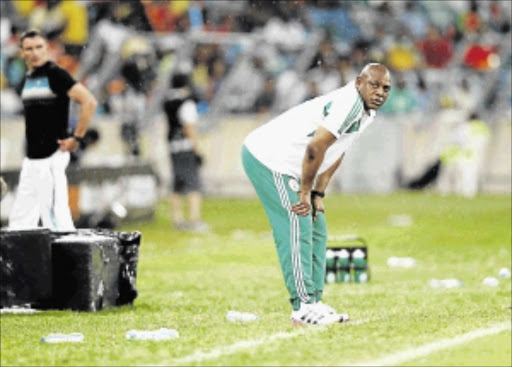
pixel 300 242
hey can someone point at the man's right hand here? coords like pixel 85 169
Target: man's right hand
pixel 318 206
pixel 303 207
pixel 69 144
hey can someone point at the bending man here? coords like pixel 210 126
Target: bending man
pixel 290 161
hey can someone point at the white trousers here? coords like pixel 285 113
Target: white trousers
pixel 43 194
pixel 459 177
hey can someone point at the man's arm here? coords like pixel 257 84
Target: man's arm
pixel 323 180
pixel 313 158
pixel 190 132
pixel 88 104
pixel 321 184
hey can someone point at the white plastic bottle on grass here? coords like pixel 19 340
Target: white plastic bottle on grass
pixel 491 282
pixel 504 273
pixel 241 316
pixel 63 338
pixel 160 334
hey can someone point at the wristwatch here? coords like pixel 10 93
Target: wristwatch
pixel 79 139
pixel 317 193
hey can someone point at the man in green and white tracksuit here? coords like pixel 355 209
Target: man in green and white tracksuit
pixel 290 161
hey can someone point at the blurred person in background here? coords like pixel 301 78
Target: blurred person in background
pixel 290 161
pixel 437 49
pixel 117 22
pixel 401 99
pixel 401 55
pixel 498 20
pixel 181 111
pixel 46 92
pixel 137 70
pixel 326 76
pixel 414 18
pixel 266 98
pixel 463 157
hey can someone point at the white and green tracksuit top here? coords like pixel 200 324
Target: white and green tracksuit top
pixel 281 143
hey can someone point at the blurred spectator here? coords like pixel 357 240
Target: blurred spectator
pixel 256 14
pixel 75 35
pixel 223 15
pixel 463 157
pixel 160 16
pixel 448 34
pixel 386 16
pixel 470 22
pixel 287 33
pixel 201 59
pixel 181 113
pixel 137 62
pixel 291 89
pixel 227 24
pixel 347 72
pixel 334 18
pixel 171 16
pixel 48 18
pixel 442 13
pixel 465 98
pixel 415 19
pixel 216 74
pixel 359 54
pixel 401 55
pixel 326 76
pixel 426 98
pixel 266 98
pixel 251 75
pixel 498 20
pixel 325 53
pixel 401 99
pixel 23 8
pixel 437 50
pixel 101 60
pixel 179 12
pixel 313 91
pixel 481 57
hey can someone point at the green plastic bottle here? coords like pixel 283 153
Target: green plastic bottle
pixel 343 271
pixel 360 266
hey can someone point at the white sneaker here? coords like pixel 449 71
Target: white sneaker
pixel 342 317
pixel 311 314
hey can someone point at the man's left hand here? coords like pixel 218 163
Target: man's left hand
pixel 69 144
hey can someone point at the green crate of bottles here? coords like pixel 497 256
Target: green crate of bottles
pixel 347 264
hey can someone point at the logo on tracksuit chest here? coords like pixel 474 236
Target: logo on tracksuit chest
pixel 37 89
pixel 294 185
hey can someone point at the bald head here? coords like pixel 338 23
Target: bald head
pixel 374 67
pixel 373 85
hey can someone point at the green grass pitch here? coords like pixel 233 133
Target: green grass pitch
pixel 189 281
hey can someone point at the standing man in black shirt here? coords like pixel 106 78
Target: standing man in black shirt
pixel 182 116
pixel 46 92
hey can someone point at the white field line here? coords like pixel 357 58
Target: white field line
pixel 199 356
pixel 424 350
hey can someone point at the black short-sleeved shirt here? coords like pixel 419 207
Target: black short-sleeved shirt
pixel 44 93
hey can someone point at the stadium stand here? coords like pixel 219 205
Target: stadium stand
pixel 252 59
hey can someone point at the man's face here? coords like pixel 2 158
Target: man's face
pixel 34 50
pixel 374 87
